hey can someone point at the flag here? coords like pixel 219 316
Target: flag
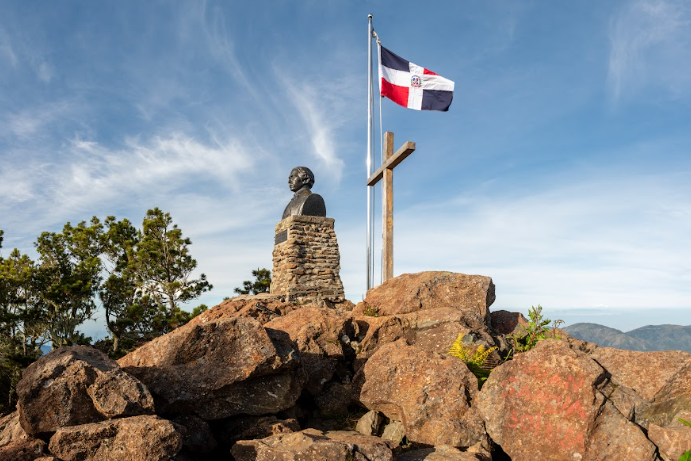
pixel 412 86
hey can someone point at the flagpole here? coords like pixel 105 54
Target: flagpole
pixel 370 162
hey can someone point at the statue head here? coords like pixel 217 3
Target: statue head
pixel 300 176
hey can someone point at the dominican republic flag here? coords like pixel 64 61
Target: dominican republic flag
pixel 412 86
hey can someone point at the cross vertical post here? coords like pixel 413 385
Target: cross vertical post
pixel 385 173
pixel 387 211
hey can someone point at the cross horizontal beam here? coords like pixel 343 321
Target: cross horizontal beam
pixel 401 154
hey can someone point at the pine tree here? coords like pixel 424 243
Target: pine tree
pixel 261 284
pixel 164 268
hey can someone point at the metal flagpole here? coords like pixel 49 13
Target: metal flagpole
pixel 370 162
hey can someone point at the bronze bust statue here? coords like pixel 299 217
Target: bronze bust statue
pixel 304 202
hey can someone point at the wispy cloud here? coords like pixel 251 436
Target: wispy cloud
pixel 650 46
pixel 28 122
pixel 85 176
pixel 7 53
pixel 318 124
pixel 598 242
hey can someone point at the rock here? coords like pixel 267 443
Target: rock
pixel 334 401
pixel 546 404
pixel 633 369
pixel 369 423
pixel 672 398
pixel 430 393
pixel 430 290
pixel 251 427
pixel 263 307
pixel 394 432
pixel 441 453
pixel 22 450
pixel 77 385
pixel 219 368
pixel 137 438
pixel 313 445
pixel 671 441
pixel 317 333
pixel 433 330
pixel 508 323
pixel 10 429
pixel 197 436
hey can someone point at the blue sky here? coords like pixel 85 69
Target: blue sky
pixel 562 169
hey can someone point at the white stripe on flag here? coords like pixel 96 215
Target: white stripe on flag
pixel 415 93
pixel 395 77
pixel 436 82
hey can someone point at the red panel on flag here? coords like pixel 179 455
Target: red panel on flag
pixel 398 94
pixel 429 72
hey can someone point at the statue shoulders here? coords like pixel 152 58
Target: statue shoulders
pixel 313 206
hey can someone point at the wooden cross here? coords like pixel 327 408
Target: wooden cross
pixel 385 172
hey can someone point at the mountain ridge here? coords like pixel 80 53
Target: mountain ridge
pixel 646 338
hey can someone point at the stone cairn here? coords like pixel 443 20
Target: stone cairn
pixel 306 260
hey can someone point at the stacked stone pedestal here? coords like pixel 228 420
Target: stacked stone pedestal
pixel 306 260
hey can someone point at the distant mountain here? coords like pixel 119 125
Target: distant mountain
pixel 647 338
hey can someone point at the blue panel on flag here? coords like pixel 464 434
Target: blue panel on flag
pixel 393 61
pixel 436 100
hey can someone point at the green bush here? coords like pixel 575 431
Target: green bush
pixel 536 331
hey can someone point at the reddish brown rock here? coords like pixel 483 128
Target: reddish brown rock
pixel 10 429
pixel 672 398
pixel 317 331
pixel 22 450
pixel 430 393
pixel 433 330
pixel 431 290
pixel 633 368
pixel 546 404
pixel 671 441
pixel 313 445
pixel 219 368
pixel 77 385
pixel 263 308
pixel 138 438
pixel 508 323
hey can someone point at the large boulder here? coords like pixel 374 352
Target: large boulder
pixel 547 404
pixel 219 368
pixel 429 392
pixel 672 398
pixel 430 310
pixel 633 368
pixel 431 290
pixel 138 438
pixel 313 445
pixel 77 385
pixel 433 330
pixel 318 333
pixel 263 307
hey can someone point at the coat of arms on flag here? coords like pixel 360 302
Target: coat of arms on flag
pixel 412 86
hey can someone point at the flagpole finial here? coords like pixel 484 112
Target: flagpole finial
pixel 369 16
